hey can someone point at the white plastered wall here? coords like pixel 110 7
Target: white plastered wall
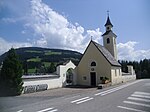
pixel 116 75
pixel 53 82
pixel 62 69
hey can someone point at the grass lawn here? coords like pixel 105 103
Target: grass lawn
pixel 33 70
pixel 52 53
pixel 32 51
pixel 37 59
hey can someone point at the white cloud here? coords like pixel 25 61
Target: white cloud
pixel 5 45
pixel 53 30
pixel 13 19
pixel 127 51
pixel 9 20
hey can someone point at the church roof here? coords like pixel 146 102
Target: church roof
pixel 106 54
pixel 108 22
pixel 110 31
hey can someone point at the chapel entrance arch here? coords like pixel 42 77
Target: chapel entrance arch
pixel 69 77
pixel 67 73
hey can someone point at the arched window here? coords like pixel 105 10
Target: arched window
pixel 108 40
pixel 93 64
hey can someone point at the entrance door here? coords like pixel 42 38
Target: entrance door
pixel 93 78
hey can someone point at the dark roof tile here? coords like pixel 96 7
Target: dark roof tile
pixel 107 32
pixel 107 54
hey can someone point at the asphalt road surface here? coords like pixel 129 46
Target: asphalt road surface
pixel 128 97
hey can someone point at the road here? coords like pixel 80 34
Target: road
pixel 128 97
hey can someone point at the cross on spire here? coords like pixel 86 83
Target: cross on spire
pixel 107 12
pixel 91 37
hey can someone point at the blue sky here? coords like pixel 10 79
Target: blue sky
pixel 69 24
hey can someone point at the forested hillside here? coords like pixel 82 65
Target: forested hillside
pixel 42 60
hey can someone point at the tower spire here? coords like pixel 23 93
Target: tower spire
pixel 108 20
pixel 109 38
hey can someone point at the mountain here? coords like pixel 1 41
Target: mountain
pixel 36 57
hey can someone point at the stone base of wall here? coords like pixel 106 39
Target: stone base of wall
pixel 35 88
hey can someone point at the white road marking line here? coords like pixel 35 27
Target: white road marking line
pixel 114 89
pixel 136 110
pixel 79 99
pixel 105 91
pixel 142 93
pixel 141 96
pixel 53 110
pixel 84 101
pixel 111 91
pixel 45 110
pixel 19 110
pixel 138 99
pixel 139 104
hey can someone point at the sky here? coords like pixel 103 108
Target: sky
pixel 69 24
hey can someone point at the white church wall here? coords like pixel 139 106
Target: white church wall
pixel 62 69
pixel 111 47
pixel 127 78
pixel 102 68
pixel 130 69
pixel 41 82
pixel 51 81
pixel 116 75
pixel 130 75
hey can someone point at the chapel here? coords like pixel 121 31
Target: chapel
pixel 100 61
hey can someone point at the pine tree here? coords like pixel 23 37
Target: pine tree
pixel 11 75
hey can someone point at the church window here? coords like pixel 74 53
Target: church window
pixel 108 40
pixel 84 78
pixel 93 64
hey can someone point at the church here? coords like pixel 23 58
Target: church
pixel 99 62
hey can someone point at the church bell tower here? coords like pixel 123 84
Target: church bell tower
pixel 109 38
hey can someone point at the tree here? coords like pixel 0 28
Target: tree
pixel 52 68
pixel 25 67
pixel 124 67
pixel 11 75
pixel 142 68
